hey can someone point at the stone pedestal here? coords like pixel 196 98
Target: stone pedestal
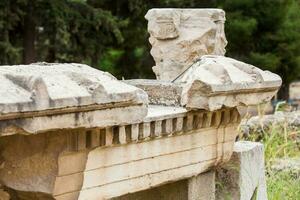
pixel 243 177
pixel 202 187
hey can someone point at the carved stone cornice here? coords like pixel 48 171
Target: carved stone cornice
pixel 42 97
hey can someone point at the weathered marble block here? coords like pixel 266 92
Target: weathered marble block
pixel 180 36
pixel 98 163
pixel 243 177
pixel 217 81
pixel 201 187
pixel 48 96
pixel 160 92
pixel 211 83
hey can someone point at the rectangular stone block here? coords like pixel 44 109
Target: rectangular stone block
pixel 202 187
pixel 190 121
pixel 146 130
pixel 179 124
pixel 122 135
pixel 95 138
pixel 108 136
pixel 243 177
pixel 134 132
pixel 157 128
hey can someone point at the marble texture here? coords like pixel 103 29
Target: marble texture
pixel 180 36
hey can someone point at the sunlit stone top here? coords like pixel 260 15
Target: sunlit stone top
pixel 44 86
pixel 180 36
pixel 44 96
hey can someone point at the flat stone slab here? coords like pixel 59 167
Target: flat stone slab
pixel 44 86
pixel 101 163
pixel 159 92
pixel 47 96
pixel 156 112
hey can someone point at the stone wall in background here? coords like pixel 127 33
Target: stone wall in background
pixel 258 124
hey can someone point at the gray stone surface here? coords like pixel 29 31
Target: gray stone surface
pixel 294 91
pixel 180 36
pixel 258 124
pixel 160 92
pixel 291 165
pixel 202 187
pixel 243 177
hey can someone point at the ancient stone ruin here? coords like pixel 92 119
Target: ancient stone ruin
pixel 70 132
pixel 180 36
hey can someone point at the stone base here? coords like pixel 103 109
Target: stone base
pixel 243 177
pixel 201 187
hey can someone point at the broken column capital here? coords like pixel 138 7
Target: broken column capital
pixel 179 36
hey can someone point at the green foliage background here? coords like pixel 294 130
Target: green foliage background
pixel 112 35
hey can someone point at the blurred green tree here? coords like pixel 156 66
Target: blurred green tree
pixel 55 31
pixel 132 58
pixel 265 33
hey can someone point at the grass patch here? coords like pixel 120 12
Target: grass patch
pixel 283 186
pixel 280 142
